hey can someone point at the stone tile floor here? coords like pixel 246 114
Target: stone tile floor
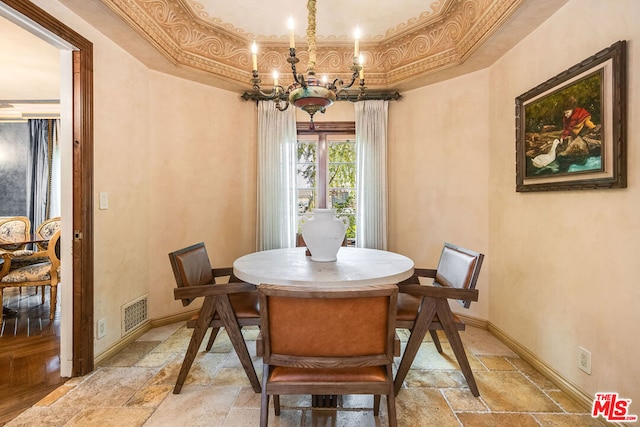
pixel 134 388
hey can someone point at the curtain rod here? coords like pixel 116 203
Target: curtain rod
pixel 352 96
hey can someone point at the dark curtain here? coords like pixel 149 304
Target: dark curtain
pixel 39 160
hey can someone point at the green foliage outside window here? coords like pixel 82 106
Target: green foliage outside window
pixel 341 177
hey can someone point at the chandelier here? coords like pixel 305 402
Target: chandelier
pixel 310 94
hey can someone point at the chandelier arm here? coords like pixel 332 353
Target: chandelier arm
pixel 278 102
pixel 272 95
pixel 293 61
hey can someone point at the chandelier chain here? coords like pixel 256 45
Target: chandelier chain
pixel 311 36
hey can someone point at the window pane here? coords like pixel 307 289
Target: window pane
pixel 306 200
pixel 343 151
pixel 306 175
pixel 342 175
pixel 306 152
pixel 344 202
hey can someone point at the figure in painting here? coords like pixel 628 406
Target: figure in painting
pixel 575 119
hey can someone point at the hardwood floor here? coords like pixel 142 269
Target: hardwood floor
pixel 29 352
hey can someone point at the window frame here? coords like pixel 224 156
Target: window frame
pixel 322 135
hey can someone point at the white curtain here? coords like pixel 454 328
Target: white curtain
pixel 55 196
pixel 38 171
pixel 276 177
pixel 371 180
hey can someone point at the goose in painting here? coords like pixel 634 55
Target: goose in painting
pixel 543 160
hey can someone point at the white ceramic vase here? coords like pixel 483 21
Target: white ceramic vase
pixel 323 234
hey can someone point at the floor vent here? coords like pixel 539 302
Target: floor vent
pixel 134 314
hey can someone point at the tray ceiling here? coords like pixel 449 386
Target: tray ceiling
pixel 401 40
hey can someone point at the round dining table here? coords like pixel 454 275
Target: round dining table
pixel 353 267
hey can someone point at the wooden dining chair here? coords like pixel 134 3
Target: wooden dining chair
pixel 231 305
pixel 327 342
pixel 40 268
pixel 423 308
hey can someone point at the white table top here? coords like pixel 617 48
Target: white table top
pixel 354 266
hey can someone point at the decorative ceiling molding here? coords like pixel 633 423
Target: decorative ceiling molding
pixel 188 36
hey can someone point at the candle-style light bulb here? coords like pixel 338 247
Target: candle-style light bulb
pixel 324 79
pixel 356 48
pixel 290 26
pixel 275 77
pixel 254 55
pixel 361 62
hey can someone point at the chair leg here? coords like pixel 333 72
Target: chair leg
pixel 212 337
pixel 41 289
pixel 54 299
pixel 436 340
pixel 204 319
pixel 230 322
pixel 1 304
pixel 446 318
pixel 391 409
pixel 276 404
pixel 420 328
pixel 264 399
pixel 376 405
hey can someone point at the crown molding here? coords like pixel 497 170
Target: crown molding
pixel 441 38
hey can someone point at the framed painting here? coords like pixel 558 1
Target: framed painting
pixel 571 129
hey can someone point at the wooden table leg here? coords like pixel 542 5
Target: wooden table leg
pixel 230 322
pixel 324 400
pixel 204 319
pixel 420 328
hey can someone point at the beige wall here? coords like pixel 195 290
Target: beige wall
pixel 564 268
pixel 178 161
pixel 203 178
pixel 121 168
pixel 560 270
pixel 439 173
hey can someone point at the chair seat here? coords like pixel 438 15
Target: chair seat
pixel 245 304
pixel 362 374
pixel 408 311
pixel 30 273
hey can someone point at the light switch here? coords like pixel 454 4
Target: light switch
pixel 104 200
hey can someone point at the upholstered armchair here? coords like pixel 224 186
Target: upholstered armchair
pixel 40 268
pixel 14 231
pixel 46 230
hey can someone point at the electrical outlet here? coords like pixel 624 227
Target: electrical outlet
pixel 102 328
pixel 584 360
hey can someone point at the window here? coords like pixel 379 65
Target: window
pixel 326 171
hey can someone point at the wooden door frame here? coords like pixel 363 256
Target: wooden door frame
pixel 82 181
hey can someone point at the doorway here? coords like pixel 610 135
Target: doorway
pixel 77 319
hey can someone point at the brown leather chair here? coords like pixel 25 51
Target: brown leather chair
pixel 232 305
pixel 327 342
pixel 424 307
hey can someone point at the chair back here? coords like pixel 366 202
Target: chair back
pixel 327 328
pixel 12 230
pixel 458 268
pixel 46 230
pixel 191 267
